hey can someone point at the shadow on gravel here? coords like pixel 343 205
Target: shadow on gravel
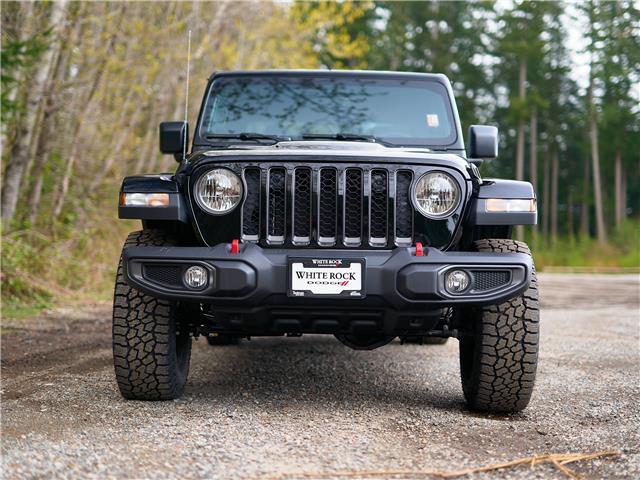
pixel 319 371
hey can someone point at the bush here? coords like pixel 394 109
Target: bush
pixel 66 264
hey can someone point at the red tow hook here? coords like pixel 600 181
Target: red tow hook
pixel 235 246
pixel 419 250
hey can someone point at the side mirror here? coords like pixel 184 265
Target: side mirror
pixel 483 141
pixel 173 136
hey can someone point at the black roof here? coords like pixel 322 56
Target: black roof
pixel 333 73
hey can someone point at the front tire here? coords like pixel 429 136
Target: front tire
pixel 151 356
pixel 498 362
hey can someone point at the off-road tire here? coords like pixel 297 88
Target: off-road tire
pixel 223 340
pixel 151 357
pixel 498 363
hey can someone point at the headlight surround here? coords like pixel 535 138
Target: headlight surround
pixel 436 194
pixel 218 191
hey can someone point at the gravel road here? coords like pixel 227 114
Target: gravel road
pixel 271 406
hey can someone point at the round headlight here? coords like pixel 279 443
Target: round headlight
pixel 218 191
pixel 436 194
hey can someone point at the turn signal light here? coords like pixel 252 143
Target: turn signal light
pixel 511 205
pixel 144 199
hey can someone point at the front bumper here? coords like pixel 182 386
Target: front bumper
pixel 395 279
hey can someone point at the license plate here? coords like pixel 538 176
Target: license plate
pixel 326 277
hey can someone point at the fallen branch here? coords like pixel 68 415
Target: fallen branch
pixel 558 460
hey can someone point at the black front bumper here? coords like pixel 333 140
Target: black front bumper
pixel 394 279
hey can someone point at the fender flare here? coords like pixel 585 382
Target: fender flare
pixel 160 183
pixel 503 189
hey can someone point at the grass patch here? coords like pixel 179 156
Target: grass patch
pixel 62 265
pixel 621 251
pixel 22 310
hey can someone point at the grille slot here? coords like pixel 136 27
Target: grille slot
pixel 276 207
pixel 353 193
pixel 378 215
pixel 302 206
pixel 251 207
pixel 327 207
pixel 165 274
pixel 403 209
pixel 486 280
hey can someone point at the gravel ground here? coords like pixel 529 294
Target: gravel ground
pixel 271 406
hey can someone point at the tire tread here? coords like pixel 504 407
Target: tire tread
pixel 145 358
pixel 503 374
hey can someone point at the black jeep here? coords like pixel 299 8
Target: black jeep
pixel 336 202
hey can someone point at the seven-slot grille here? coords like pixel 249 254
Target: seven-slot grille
pixel 328 206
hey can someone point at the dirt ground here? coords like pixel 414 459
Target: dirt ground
pixel 280 405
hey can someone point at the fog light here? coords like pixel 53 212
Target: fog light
pixel 196 277
pixel 457 281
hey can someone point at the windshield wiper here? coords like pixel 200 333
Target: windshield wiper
pixel 349 137
pixel 246 136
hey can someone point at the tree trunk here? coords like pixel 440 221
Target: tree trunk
pixel 24 31
pixel 595 159
pixel 569 214
pixel 554 195
pixel 624 195
pixel 584 209
pixel 522 78
pixel 41 151
pixel 20 155
pixel 546 196
pixel 533 157
pixel 595 165
pixel 619 207
pixel 88 104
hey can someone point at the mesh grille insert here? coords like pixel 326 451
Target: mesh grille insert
pixel 251 207
pixel 328 204
pixel 488 280
pixel 378 219
pixel 302 205
pixel 404 209
pixel 353 204
pixel 277 204
pixel 165 274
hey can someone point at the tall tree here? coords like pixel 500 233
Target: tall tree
pixel 618 55
pixel 521 44
pixel 438 37
pixel 31 119
pixel 594 33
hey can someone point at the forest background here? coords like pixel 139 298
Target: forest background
pixel 85 84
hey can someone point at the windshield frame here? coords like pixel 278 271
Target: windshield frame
pixel 456 142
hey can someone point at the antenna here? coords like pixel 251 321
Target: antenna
pixel 186 98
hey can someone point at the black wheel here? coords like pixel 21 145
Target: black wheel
pixel 222 340
pixel 498 363
pixel 151 355
pixel 425 340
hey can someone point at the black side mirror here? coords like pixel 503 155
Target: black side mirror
pixel 483 141
pixel 173 136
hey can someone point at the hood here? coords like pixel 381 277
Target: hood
pixel 323 151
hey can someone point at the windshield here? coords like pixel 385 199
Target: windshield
pixel 395 111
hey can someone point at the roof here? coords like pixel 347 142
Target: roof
pixel 332 73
